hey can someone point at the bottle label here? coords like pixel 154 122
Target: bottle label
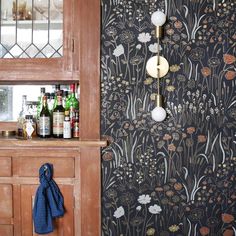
pixel 58 120
pixel 67 129
pixel 29 129
pixel 44 126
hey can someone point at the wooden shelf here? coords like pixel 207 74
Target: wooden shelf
pixel 14 143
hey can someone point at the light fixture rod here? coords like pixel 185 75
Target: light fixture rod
pixel 158 63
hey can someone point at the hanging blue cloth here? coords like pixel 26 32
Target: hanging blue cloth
pixel 48 202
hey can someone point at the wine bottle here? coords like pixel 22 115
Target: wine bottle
pixel 58 118
pixel 44 121
pixel 57 91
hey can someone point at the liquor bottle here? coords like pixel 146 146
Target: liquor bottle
pixel 72 104
pixel 67 126
pixel 57 90
pixel 40 102
pixel 39 107
pixel 51 102
pixel 76 125
pixel 21 117
pixel 64 98
pixel 44 121
pixel 58 118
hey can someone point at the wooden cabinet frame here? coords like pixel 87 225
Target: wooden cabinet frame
pixel 81 63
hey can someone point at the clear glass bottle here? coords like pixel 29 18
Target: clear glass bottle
pixel 21 117
pixel 29 127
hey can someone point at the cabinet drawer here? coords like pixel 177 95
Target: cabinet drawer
pixel 6 230
pixel 29 166
pixel 5 166
pixel 5 201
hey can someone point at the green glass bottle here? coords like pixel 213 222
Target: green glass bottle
pixel 72 104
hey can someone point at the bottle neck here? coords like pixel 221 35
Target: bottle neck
pixel 59 100
pixel 24 104
pixel 45 102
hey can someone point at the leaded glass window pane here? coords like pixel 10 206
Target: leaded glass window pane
pixel 31 28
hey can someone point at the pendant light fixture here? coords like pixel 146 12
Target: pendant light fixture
pixel 157 66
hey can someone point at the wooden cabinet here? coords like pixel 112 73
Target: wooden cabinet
pixel 76 167
pixel 77 164
pixel 18 188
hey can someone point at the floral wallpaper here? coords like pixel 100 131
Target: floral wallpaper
pixel 177 177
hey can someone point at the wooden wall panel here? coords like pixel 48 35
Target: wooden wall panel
pixel 5 166
pixel 63 226
pixel 90 192
pixel 6 230
pixel 6 205
pixel 29 166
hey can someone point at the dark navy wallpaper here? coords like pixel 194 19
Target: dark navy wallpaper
pixel 177 177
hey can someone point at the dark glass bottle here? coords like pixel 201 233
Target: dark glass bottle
pixel 58 118
pixel 44 121
pixel 57 91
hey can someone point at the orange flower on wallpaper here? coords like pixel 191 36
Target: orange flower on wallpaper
pixel 178 186
pixel 228 232
pixel 201 138
pixel 229 59
pixel 227 218
pixel 171 147
pixel 178 24
pixel 206 71
pixel 191 130
pixel 230 75
pixel 204 231
pixel 167 137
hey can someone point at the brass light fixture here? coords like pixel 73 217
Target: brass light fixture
pixel 157 66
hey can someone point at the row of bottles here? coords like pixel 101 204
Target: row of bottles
pixel 57 116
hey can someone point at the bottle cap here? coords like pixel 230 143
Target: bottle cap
pixel 57 86
pixel 42 90
pixel 28 117
pixel 72 88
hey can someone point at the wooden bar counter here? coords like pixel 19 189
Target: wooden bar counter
pixel 76 170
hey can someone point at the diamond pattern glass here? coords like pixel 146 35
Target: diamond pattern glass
pixel 31 28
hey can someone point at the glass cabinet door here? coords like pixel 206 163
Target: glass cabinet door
pixel 31 29
pixel 36 38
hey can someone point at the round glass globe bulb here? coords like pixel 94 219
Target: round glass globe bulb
pixel 158 18
pixel 158 114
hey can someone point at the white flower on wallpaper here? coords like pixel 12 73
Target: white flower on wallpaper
pixel 155 209
pixel 119 50
pixel 138 47
pixel 138 208
pixel 144 37
pixel 144 199
pixel 153 48
pixel 119 212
